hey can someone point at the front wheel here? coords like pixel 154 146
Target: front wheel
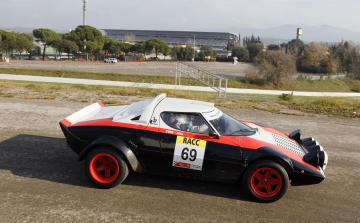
pixel 266 181
pixel 105 167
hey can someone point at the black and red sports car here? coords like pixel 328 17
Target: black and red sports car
pixel 194 139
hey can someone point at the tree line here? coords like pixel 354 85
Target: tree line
pixel 278 63
pixel 87 40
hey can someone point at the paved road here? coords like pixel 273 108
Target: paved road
pixel 168 86
pixel 41 180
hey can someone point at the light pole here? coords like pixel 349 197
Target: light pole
pixel 84 11
pixel 87 55
pixel 193 59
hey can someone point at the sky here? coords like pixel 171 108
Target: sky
pixel 201 15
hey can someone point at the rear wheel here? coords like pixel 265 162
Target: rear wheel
pixel 266 181
pixel 105 167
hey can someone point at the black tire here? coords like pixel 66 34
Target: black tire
pixel 105 167
pixel 265 181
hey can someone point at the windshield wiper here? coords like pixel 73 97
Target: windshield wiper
pixel 247 131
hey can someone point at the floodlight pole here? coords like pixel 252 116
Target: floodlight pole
pixel 84 11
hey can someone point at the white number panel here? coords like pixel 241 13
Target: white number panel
pixel 189 153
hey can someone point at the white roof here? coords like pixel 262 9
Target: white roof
pixel 161 103
pixel 184 105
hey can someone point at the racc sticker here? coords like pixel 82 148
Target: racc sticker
pixel 189 153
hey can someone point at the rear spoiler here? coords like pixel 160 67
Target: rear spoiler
pixel 82 114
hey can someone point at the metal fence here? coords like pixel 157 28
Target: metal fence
pixel 216 82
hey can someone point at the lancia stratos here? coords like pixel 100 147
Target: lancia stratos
pixel 192 139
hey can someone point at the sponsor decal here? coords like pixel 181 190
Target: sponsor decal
pixel 189 153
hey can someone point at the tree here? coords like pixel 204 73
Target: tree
pixel 183 53
pixel 139 48
pixel 112 46
pixel 294 47
pixel 241 53
pixel 8 41
pixel 276 67
pixel 317 59
pixel 47 37
pixel 92 48
pixel 252 39
pixel 343 53
pixel 206 53
pixel 157 45
pixel 355 64
pixel 166 51
pixel 69 47
pixel 88 38
pixel 126 47
pixel 254 50
pixel 23 43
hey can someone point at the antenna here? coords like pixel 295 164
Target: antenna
pixel 84 11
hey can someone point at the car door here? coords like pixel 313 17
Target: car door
pixel 184 143
pixel 190 150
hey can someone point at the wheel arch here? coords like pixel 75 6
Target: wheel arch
pixel 117 144
pixel 268 153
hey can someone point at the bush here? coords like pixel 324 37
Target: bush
pixel 286 97
pixel 241 53
pixel 356 65
pixel 252 76
pixel 273 47
pixel 224 59
pixel 276 67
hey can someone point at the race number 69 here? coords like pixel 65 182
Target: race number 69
pixel 188 154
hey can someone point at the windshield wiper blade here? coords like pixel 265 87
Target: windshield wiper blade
pixel 244 131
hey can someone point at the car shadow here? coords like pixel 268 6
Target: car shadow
pixel 50 159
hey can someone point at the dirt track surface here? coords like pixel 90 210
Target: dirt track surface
pixel 41 180
pixel 147 68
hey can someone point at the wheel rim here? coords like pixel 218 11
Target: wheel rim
pixel 266 182
pixel 104 168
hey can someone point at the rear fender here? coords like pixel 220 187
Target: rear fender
pixel 117 144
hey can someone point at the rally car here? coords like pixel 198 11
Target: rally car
pixel 193 139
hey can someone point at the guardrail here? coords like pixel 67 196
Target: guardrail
pixel 216 82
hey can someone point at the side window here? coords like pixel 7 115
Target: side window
pixel 194 123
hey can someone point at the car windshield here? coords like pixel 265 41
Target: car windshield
pixel 227 125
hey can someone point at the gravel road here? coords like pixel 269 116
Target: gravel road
pixel 41 180
pixel 136 68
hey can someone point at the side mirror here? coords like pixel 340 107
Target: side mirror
pixel 214 135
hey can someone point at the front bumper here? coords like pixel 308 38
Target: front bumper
pixel 315 155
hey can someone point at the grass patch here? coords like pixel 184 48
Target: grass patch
pixel 346 107
pixel 327 85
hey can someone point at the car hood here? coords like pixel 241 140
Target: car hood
pixel 274 137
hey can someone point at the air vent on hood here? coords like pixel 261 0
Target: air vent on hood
pixel 288 144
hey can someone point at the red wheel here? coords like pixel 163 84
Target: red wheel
pixel 105 167
pixel 266 180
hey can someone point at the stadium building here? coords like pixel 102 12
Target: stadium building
pixel 216 40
